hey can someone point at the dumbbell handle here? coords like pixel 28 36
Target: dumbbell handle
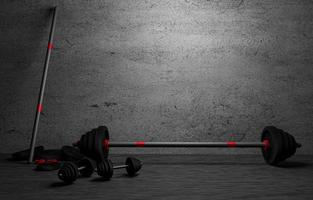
pixel 81 168
pixel 265 143
pixel 120 166
pixel 114 167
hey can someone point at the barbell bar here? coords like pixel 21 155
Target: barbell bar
pixel 276 144
pixel 187 144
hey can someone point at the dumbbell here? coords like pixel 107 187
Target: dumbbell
pixel 105 168
pixel 70 171
pixel 276 144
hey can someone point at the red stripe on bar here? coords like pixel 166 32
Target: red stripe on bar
pixel 39 107
pixel 106 145
pixel 50 46
pixel 231 144
pixel 266 144
pixel 140 144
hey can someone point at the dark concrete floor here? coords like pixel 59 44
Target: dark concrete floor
pixel 170 177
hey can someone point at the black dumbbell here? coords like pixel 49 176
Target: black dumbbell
pixel 70 171
pixel 105 168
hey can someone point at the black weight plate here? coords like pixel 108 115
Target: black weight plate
pixel 278 147
pixel 82 144
pixel 273 154
pixel 98 150
pixel 85 147
pixel 102 138
pixel 105 140
pixel 101 168
pixel 105 169
pixel 110 168
pixel 105 173
pixel 133 166
pixel 286 148
pixel 69 153
pixel 288 145
pixel 92 144
pixel 293 145
pixel 267 152
pixel 87 142
pixel 50 154
pixel 92 141
pixel 68 172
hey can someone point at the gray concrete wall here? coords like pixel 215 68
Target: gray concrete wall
pixel 173 70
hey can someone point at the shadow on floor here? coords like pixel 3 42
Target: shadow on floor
pixel 293 164
pixel 60 184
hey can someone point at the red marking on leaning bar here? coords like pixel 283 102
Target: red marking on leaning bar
pixel 50 46
pixel 140 144
pixel 266 144
pixel 231 144
pixel 39 107
pixel 106 144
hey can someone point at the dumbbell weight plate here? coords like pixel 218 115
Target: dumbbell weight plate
pixel 105 169
pixel 68 172
pixel 133 166
pixel 110 167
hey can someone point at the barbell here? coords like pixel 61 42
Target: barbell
pixel 276 144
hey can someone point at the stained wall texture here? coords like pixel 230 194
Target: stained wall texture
pixel 172 70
